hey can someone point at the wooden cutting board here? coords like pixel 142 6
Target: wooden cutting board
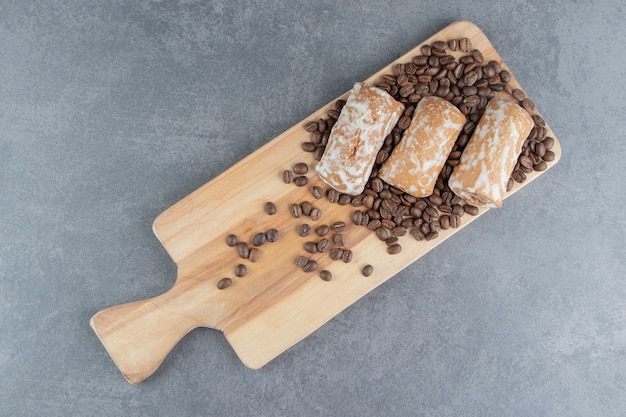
pixel 276 304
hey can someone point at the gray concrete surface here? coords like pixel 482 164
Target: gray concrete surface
pixel 110 112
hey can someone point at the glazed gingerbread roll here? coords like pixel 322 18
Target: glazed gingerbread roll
pixel 415 163
pixel 486 164
pixel 366 119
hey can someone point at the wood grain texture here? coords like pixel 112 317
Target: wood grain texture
pixel 276 304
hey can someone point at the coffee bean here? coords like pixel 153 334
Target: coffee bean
pixel 241 270
pixel 357 217
pixel 392 240
pixel 308 146
pixel 300 168
pixel 455 221
pixel 311 126
pixel 519 176
pixel 296 210
pixel 346 256
pixel 270 208
pixel 541 166
pixel 444 222
pixel 339 240
pixel 243 250
pixel 301 181
pixel 310 266
pixel 478 56
pixel 301 261
pixel 519 94
pixel 399 231
pixel 316 137
pixel 417 234
pixel 549 156
pixel 548 142
pixel 317 192
pixel 272 235
pixel 465 45
pixel 307 207
pixel 332 195
pixel 377 185
pixel 367 270
pixel 224 283
pixel 322 230
pixel 259 239
pixel 528 105
pixel 315 214
pixel 304 230
pixel 336 254
pixel 323 245
pixel 394 249
pixel 432 212
pixel 382 233
pixel 231 240
pixel 404 122
pixel 287 176
pixel 318 153
pixel 470 209
pixel 432 235
pixel 254 255
pixel 338 226
pixel 310 247
pixel 326 275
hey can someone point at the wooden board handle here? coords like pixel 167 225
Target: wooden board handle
pixel 139 335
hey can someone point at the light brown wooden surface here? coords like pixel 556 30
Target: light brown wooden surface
pixel 276 304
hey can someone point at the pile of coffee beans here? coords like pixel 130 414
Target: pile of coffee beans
pixel 457 72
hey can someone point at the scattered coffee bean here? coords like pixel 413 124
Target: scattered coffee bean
pixel 301 181
pixel 394 249
pixel 272 235
pixel 296 210
pixel 367 270
pixel 323 245
pixel 326 275
pixel 300 168
pixel 254 255
pixel 322 230
pixel 224 283
pixel 287 176
pixel 336 254
pixel 310 247
pixel 392 240
pixel 241 270
pixel 346 256
pixel 231 240
pixel 432 235
pixel 316 214
pixel 357 217
pixel 306 208
pixel 270 208
pixel 259 239
pixel 301 261
pixel 243 250
pixel 310 266
pixel 304 230
pixel 339 226
pixel 339 240
pixel 317 192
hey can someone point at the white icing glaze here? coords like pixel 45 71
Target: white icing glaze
pixel 366 119
pixel 486 164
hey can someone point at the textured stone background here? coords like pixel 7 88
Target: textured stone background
pixel 110 112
